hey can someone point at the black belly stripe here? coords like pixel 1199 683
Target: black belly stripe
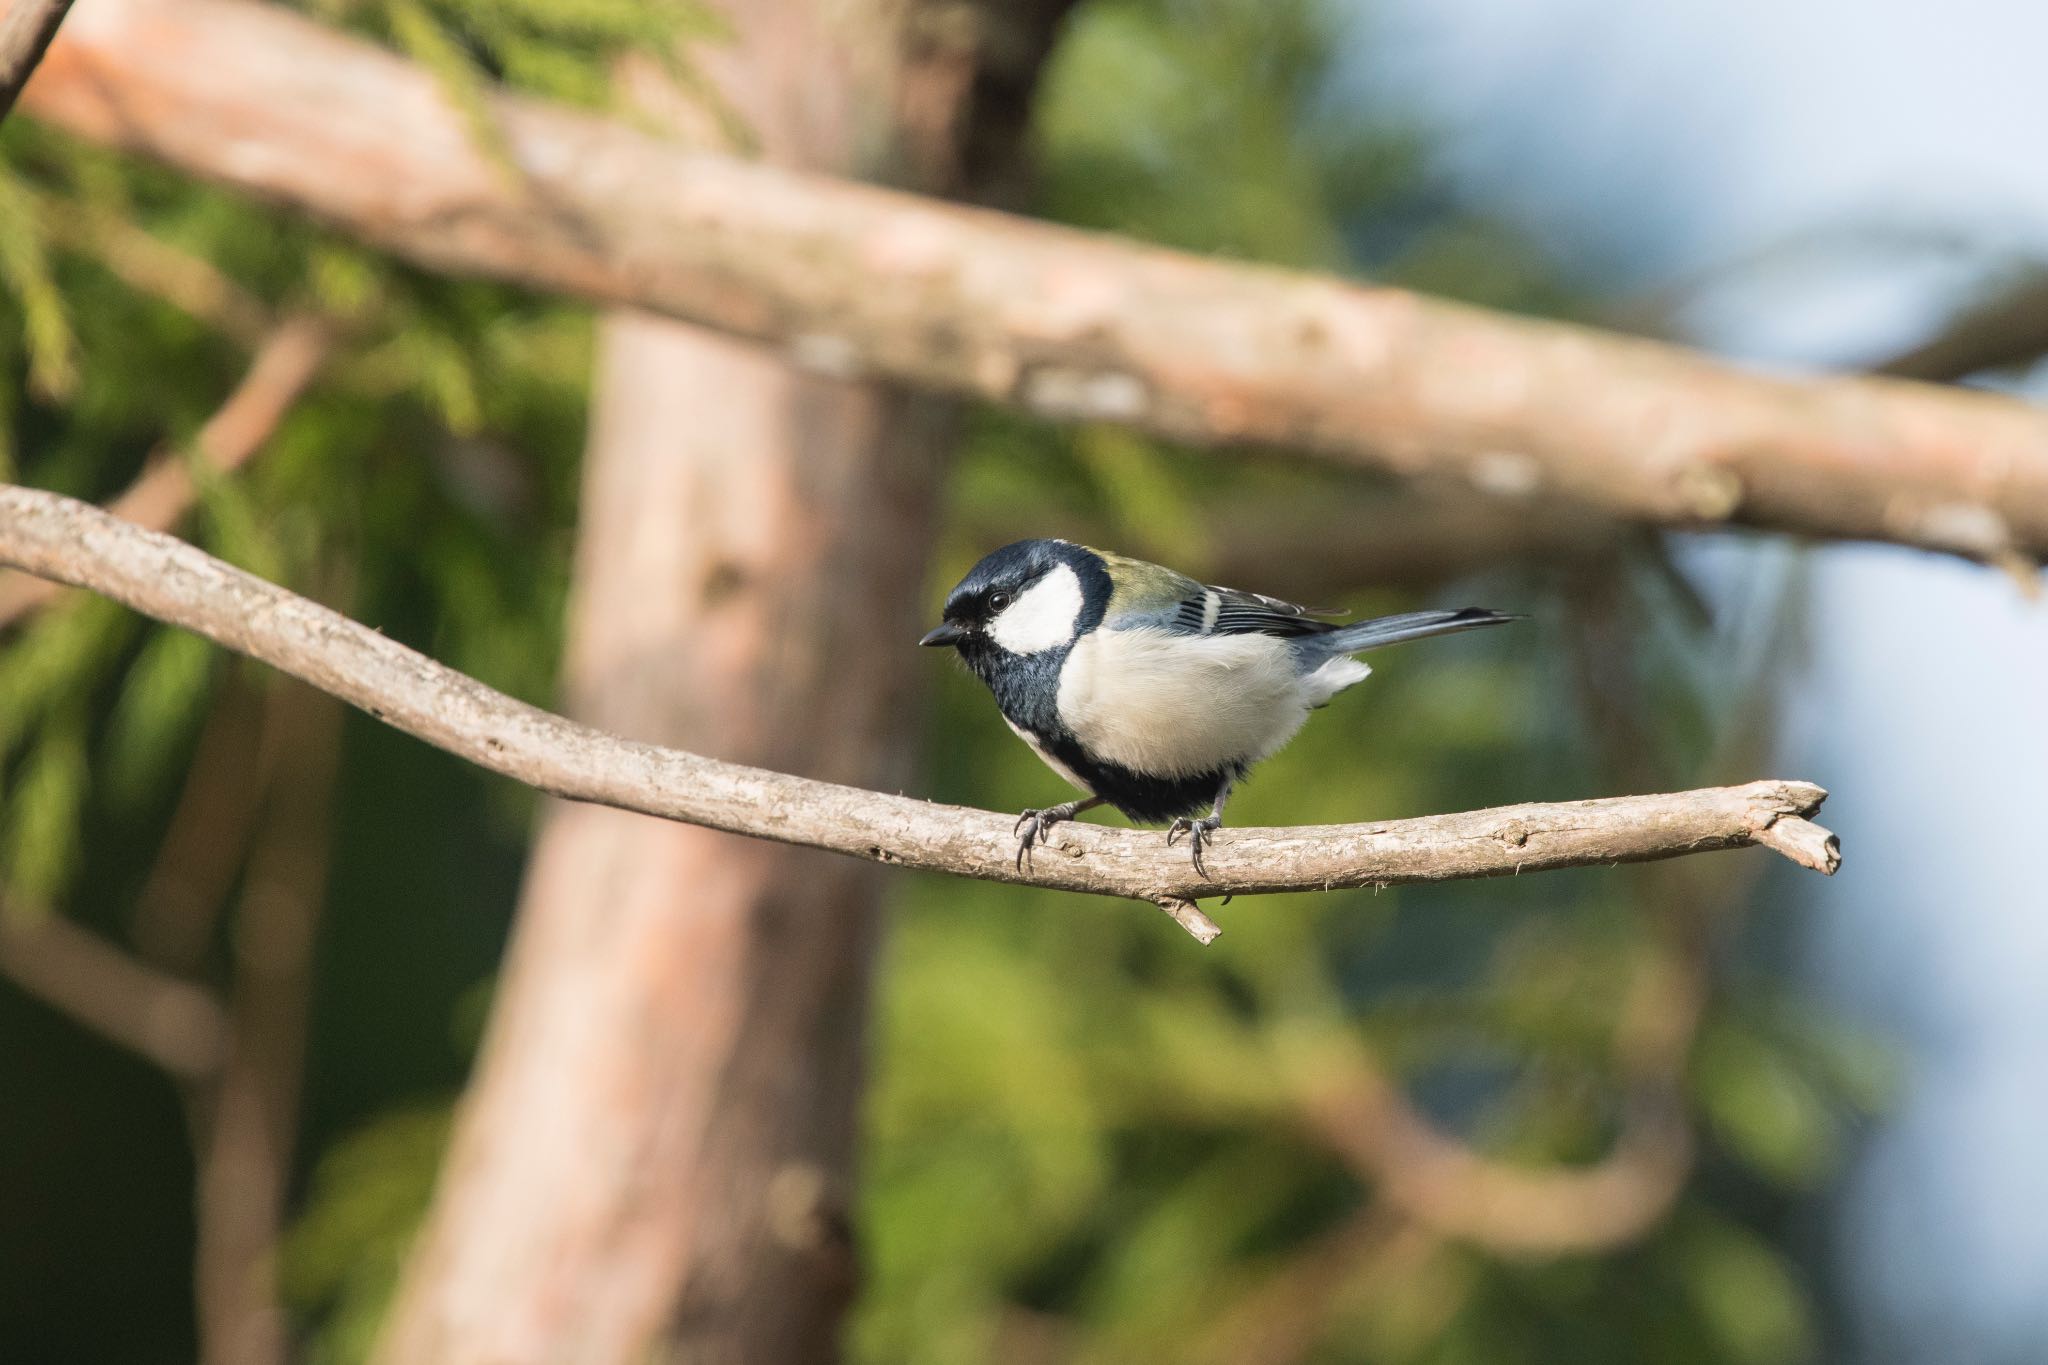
pixel 1146 799
pixel 1025 689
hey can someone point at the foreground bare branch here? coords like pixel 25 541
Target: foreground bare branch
pixel 855 280
pixel 56 537
pixel 25 33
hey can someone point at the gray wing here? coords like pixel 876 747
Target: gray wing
pixel 1230 611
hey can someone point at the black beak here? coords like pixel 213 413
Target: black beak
pixel 946 634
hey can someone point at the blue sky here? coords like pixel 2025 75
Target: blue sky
pixel 1831 175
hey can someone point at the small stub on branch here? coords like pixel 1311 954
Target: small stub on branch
pixel 1804 843
pixel 1189 916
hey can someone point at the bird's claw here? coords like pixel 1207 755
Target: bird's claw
pixel 1032 826
pixel 1198 832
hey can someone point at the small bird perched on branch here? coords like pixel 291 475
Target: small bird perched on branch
pixel 1146 689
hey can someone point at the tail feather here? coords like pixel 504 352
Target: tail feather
pixel 1393 630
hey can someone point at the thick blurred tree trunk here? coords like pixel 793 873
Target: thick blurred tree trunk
pixel 655 1158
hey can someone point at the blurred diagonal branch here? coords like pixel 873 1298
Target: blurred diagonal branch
pixel 173 582
pixel 206 841
pixel 171 1022
pixel 855 280
pixel 151 265
pixel 1455 1192
pixel 284 365
pixel 25 34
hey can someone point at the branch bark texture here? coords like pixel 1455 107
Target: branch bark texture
pixel 852 280
pixel 166 579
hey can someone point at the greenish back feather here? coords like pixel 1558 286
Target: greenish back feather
pixel 1146 593
pixel 1142 589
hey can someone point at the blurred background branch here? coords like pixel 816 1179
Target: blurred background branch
pixel 172 1023
pixel 1057 323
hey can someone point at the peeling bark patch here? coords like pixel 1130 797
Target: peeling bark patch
pixel 1085 395
pixel 1507 474
pixel 822 353
pixel 1969 527
pixel 1710 492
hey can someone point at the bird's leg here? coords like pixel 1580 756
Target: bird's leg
pixel 1198 831
pixel 1034 825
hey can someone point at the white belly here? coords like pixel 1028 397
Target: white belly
pixel 1172 705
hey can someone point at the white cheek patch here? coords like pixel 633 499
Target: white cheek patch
pixel 1043 616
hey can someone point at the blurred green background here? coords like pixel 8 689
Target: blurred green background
pixel 1086 1140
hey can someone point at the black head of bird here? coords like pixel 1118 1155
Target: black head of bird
pixel 1147 689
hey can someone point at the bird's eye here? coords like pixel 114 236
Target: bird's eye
pixel 998 600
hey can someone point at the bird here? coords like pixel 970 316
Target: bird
pixel 1149 690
